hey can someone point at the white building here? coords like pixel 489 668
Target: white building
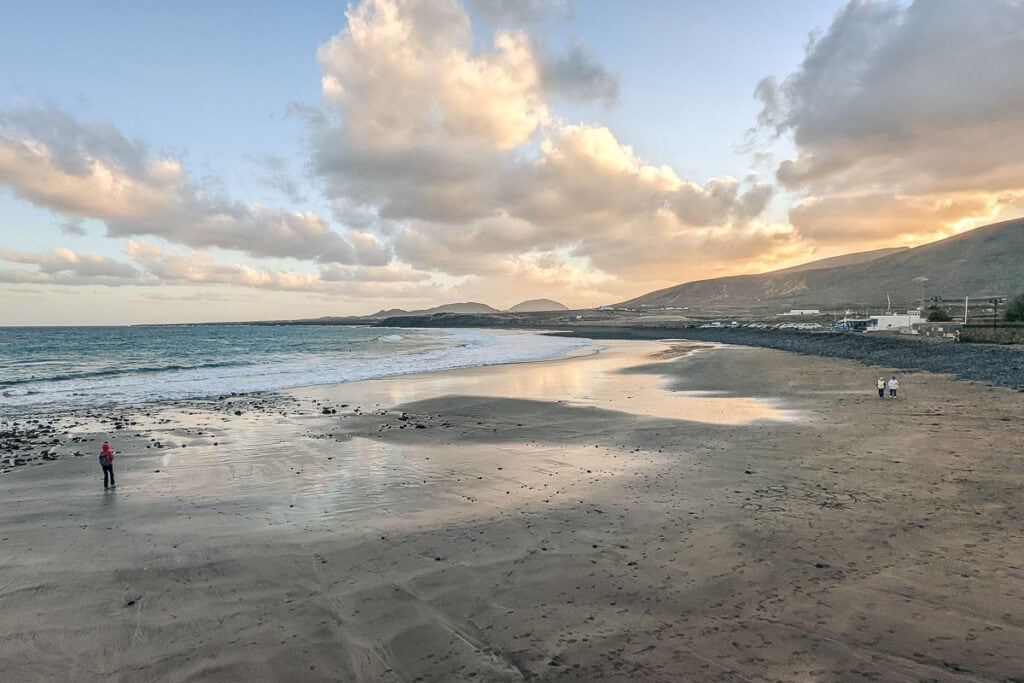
pixel 895 321
pixel 803 311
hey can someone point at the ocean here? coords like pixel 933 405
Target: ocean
pixel 59 368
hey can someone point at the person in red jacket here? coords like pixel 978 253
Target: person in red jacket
pixel 107 463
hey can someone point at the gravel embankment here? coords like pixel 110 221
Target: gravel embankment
pixel 997 365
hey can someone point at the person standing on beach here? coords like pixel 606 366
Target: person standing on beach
pixel 894 385
pixel 881 387
pixel 107 463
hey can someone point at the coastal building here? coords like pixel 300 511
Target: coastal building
pixel 803 311
pixel 849 324
pixel 901 322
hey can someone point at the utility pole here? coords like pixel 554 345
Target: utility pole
pixel 995 308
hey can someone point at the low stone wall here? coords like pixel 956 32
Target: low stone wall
pixel 946 329
pixel 1002 333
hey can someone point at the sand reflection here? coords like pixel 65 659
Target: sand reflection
pixel 402 487
pixel 597 381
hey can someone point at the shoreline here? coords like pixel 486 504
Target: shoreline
pixel 999 365
pixel 288 360
pixel 30 433
pixel 558 520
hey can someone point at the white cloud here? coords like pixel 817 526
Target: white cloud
pixel 200 267
pixel 66 267
pixel 89 170
pixel 402 76
pixel 251 229
pixel 449 150
pixel 85 185
pixel 899 114
pixel 196 267
pixel 576 74
pixel 375 274
pixel 440 153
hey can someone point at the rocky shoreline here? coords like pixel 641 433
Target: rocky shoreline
pixel 1001 366
pixel 52 434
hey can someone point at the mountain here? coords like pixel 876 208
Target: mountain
pixel 980 263
pixel 466 307
pixel 537 306
pixel 472 307
pixel 844 260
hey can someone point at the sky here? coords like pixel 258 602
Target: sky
pixel 197 162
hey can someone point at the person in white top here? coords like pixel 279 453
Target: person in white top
pixel 894 386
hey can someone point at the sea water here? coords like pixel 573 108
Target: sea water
pixel 76 367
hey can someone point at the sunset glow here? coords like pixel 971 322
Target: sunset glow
pixel 331 160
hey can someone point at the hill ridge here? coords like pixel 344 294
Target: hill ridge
pixel 983 262
pixel 476 308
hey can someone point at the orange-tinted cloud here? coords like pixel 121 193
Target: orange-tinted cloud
pixel 907 120
pixel 452 152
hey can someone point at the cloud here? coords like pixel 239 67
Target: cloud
pixel 278 177
pixel 250 228
pixel 576 74
pixel 538 275
pixel 579 76
pixel 439 151
pixel 587 195
pixel 376 274
pixel 197 267
pixel 585 180
pixel 66 267
pixel 82 170
pixel 152 264
pixel 886 217
pixel 417 126
pixel 666 256
pixel 449 151
pixel 402 75
pixel 900 113
pixel 90 170
pixel 520 12
pixel 73 226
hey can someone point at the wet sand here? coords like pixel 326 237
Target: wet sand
pixel 732 514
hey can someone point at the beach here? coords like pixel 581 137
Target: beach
pixel 659 511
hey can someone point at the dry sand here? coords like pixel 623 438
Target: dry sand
pixel 733 514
